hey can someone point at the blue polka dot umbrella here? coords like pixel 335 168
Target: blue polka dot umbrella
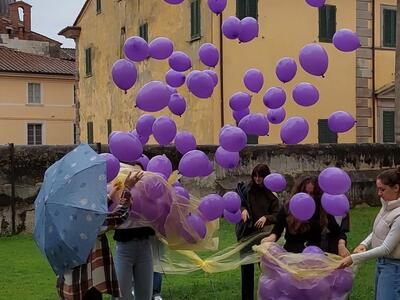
pixel 70 208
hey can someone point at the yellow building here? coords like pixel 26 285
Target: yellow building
pixel 36 99
pixel 358 82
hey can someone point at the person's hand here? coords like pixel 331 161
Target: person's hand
pixel 345 262
pixel 269 239
pixel 245 215
pixel 260 222
pixel 132 179
pixel 360 248
pixel 343 251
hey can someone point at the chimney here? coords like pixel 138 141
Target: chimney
pixel 14 16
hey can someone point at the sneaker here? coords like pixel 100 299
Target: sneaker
pixel 158 297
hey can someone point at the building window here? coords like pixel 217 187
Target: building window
pixel 388 126
pixel 109 127
pixel 195 19
pixel 90 138
pixel 325 135
pixel 88 61
pixel 389 28
pixel 144 31
pixel 35 134
pixel 98 6
pixel 246 8
pixel 327 23
pixel 122 42
pixel 75 134
pixel 34 93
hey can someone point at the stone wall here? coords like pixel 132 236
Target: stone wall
pixel 362 161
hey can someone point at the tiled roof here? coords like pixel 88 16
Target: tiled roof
pixel 15 61
pixel 67 53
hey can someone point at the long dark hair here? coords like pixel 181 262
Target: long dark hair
pixel 262 170
pixel 390 177
pixel 296 226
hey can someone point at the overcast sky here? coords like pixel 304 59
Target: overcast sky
pixel 50 16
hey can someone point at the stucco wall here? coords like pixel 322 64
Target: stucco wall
pixel 363 162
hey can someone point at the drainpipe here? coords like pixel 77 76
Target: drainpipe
pixel 221 69
pixel 373 76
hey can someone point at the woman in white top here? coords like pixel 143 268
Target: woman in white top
pixel 384 241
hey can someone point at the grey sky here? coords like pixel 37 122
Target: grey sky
pixel 50 16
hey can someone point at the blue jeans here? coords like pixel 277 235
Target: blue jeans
pixel 157 280
pixel 387 279
pixel 134 259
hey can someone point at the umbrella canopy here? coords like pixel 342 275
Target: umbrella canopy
pixel 70 208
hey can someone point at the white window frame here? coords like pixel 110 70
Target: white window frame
pixel 43 132
pixel 40 94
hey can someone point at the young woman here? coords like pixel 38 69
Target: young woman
pixel 384 241
pixel 259 210
pixel 322 230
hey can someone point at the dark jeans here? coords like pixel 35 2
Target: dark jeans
pixel 247 281
pixel 157 280
pixel 92 294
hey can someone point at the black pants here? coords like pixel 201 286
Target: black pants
pixel 247 281
pixel 92 294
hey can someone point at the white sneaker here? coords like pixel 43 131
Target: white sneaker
pixel 158 297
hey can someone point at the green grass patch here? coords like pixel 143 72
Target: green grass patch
pixel 25 274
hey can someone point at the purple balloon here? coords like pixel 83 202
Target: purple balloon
pixel 185 142
pixel 274 97
pixel 174 2
pixel 240 114
pixel 239 101
pixel 209 55
pixel 177 104
pixel 276 116
pixel 197 224
pixel 335 205
pixel 234 217
pixel 124 74
pixel 125 146
pixel 180 61
pixel 143 161
pixel 313 249
pixel 294 130
pixel 174 78
pixel 200 84
pixel 314 59
pixel 343 280
pixel 153 96
pixel 160 164
pixel 253 80
pixel 142 138
pixel 211 206
pixel 305 94
pixel 177 183
pixel 195 163
pixel 213 76
pixel 286 69
pixel 217 6
pixel 164 130
pixel 232 201
pixel 232 139
pixel 226 159
pixel 144 124
pixel 346 40
pixel 180 190
pixel 256 124
pixel 136 48
pixel 161 48
pixel 316 3
pixel 275 182
pixel 248 29
pixel 231 27
pixel 112 166
pixel 341 121
pixel 334 181
pixel 302 206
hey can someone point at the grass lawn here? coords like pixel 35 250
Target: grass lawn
pixel 25 274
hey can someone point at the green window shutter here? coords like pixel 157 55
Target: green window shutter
pixel 325 135
pixel 90 132
pixel 252 139
pixel 327 23
pixel 241 8
pixel 252 9
pixel 144 32
pixel 195 19
pixel 388 126
pixel 88 61
pixel 98 6
pixel 389 28
pixel 109 127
